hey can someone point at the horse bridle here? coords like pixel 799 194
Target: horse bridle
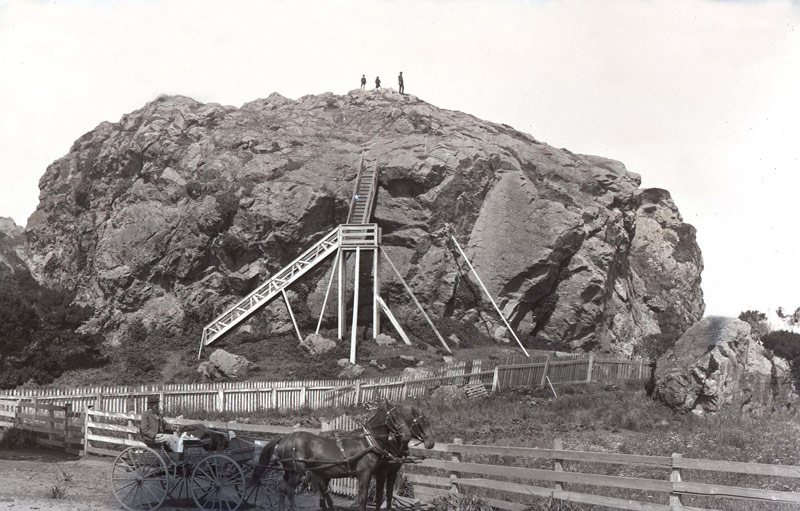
pixel 419 418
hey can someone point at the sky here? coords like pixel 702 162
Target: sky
pixel 699 97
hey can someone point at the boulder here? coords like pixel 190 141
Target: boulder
pixel 315 344
pixel 385 340
pixel 230 365
pixel 415 373
pixel 715 364
pixel 351 372
pixel 209 371
pixel 500 334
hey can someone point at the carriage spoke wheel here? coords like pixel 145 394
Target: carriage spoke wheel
pixel 139 479
pixel 218 483
pixel 260 493
pixel 180 481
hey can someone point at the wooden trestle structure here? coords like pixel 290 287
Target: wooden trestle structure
pixel 348 240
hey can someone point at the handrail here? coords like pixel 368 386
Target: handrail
pixel 355 189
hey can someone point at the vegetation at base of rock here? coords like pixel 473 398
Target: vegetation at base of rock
pixel 786 345
pixel 17 438
pixel 38 338
pixel 757 321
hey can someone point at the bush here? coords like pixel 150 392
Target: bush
pixel 786 345
pixel 17 438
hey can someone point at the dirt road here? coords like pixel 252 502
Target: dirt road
pixel 48 480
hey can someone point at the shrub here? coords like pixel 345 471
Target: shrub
pixel 17 438
pixel 757 321
pixel 786 345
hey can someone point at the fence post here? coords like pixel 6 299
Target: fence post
pixel 98 401
pixel 641 368
pixel 221 400
pixel 404 391
pixel 453 474
pixel 496 379
pixel 544 373
pixel 558 466
pixel 86 431
pixel 303 396
pixel 358 392
pixel 67 413
pixel 675 476
pixel 589 369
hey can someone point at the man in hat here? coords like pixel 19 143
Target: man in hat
pixel 363 81
pixel 400 83
pixel 153 427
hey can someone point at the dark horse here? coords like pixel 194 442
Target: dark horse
pixel 386 473
pixel 357 453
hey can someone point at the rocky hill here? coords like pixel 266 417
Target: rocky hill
pixel 180 208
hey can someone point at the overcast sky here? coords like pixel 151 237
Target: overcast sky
pixel 698 97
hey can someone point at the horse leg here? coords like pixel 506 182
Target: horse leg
pixel 391 477
pixel 363 488
pixel 287 490
pixel 380 479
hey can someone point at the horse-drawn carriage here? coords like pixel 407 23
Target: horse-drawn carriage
pixel 220 479
pixel 142 478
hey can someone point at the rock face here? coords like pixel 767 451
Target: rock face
pixel 716 363
pixel 13 249
pixel 181 208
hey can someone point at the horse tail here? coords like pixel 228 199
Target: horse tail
pixel 265 458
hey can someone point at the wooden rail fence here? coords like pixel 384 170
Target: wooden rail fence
pixel 243 397
pixel 664 486
pixel 52 425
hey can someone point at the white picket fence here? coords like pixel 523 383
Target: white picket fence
pixel 249 396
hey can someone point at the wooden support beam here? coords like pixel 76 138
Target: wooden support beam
pixel 328 290
pixel 414 298
pixel 341 304
pixel 490 297
pixel 291 314
pixel 376 293
pixel 353 329
pixel 394 321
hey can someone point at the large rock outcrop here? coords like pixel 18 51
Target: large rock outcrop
pixel 716 363
pixel 183 205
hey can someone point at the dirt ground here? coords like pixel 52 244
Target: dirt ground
pixel 49 480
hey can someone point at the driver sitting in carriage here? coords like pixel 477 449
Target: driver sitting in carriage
pixel 154 429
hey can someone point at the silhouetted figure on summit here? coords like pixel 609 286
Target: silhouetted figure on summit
pixel 400 82
pixel 363 81
pixel 377 82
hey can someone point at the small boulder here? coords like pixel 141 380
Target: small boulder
pixel 315 344
pixel 343 362
pixel 230 365
pixel 385 340
pixel 351 372
pixel 415 373
pixel 454 340
pixel 209 371
pixel 500 334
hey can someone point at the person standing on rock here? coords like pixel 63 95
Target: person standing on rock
pixel 153 427
pixel 363 81
pixel 377 82
pixel 400 83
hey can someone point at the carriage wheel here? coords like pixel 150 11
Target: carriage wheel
pixel 139 479
pixel 180 480
pixel 218 483
pixel 260 493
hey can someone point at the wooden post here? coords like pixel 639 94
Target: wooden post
pixel 328 290
pixel 376 292
pixel 51 425
pixel 544 373
pixel 589 368
pixel 354 328
pixel 273 398
pixel 496 379
pixel 341 304
pixel 291 314
pixel 404 391
pixel 490 297
pixel 675 476
pixel 303 391
pixel 454 475
pixel 641 368
pixel 221 400
pixel 558 466
pixel 86 431
pixel 98 402
pixel 357 396
pixel 67 413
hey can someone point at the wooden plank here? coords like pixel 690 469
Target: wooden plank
pixel 549 475
pixel 41 406
pixel 583 498
pixel 114 440
pixel 103 452
pixel 763 469
pixel 40 418
pixel 687 488
pixel 530 452
pixel 444 482
pixel 113 427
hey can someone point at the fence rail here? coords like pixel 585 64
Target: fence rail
pixel 250 396
pixel 509 487
pixel 52 425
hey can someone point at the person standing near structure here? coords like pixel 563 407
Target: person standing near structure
pixel 400 83
pixel 377 82
pixel 363 81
